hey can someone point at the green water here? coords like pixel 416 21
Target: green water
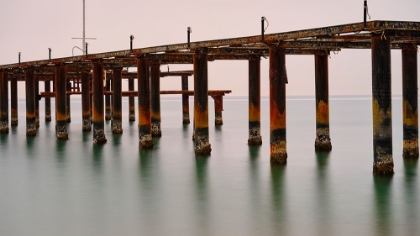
pixel 51 187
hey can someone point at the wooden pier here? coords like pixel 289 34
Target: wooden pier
pixel 91 70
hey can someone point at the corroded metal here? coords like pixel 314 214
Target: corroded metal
pixel 278 80
pixel 254 101
pixel 30 102
pixel 131 109
pixel 383 163
pixel 14 101
pixel 201 114
pixel 4 103
pixel 61 103
pixel 155 100
pixel 68 101
pixel 86 117
pixel 410 102
pixel 143 82
pixel 98 103
pixel 37 98
pixel 47 88
pixel 108 115
pixel 117 102
pixel 218 109
pixel 185 100
pixel 322 140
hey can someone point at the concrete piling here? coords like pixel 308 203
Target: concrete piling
pixel 155 99
pixel 86 104
pixel 117 101
pixel 185 100
pixel 145 136
pixel 61 102
pixel 4 103
pixel 383 163
pixel 322 140
pixel 30 102
pixel 278 80
pixel 98 103
pixel 254 101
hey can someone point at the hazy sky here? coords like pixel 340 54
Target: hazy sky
pixel 31 27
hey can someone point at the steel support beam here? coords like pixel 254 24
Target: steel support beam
pixel 131 107
pixel 86 104
pixel 4 103
pixel 254 101
pixel 47 88
pixel 117 101
pixel 61 102
pixel 30 102
pixel 185 100
pixel 14 101
pixel 145 136
pixel 155 100
pixel 98 103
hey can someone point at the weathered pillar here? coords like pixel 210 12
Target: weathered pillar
pixel 201 114
pixel 322 140
pixel 218 109
pixel 155 100
pixel 68 105
pixel 47 88
pixel 37 98
pixel 410 109
pixel 108 97
pixel 98 103
pixel 14 101
pixel 4 103
pixel 117 101
pixel 254 101
pixel 61 102
pixel 86 104
pixel 278 80
pixel 185 100
pixel 131 109
pixel 143 82
pixel 30 102
pixel 383 163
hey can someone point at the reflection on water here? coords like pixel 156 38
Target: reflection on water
pixel 279 199
pixel 323 211
pixel 411 194
pixel 202 196
pixel 382 203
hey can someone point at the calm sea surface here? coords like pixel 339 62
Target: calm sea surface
pixel 51 187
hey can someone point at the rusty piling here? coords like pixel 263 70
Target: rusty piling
pixel 86 104
pixel 4 103
pixel 143 82
pixel 98 103
pixel 278 80
pixel 322 140
pixel 108 115
pixel 30 102
pixel 201 115
pixel 383 163
pixel 117 101
pixel 131 109
pixel 218 109
pixel 254 101
pixel 185 100
pixel 410 103
pixel 155 99
pixel 14 101
pixel 37 98
pixel 68 105
pixel 61 102
pixel 47 88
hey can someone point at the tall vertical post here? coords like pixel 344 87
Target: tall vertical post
pixel 47 88
pixel 131 109
pixel 185 100
pixel 155 99
pixel 254 101
pixel 322 140
pixel 410 103
pixel 4 102
pixel 117 101
pixel 218 109
pixel 143 80
pixel 383 163
pixel 30 102
pixel 108 97
pixel 278 80
pixel 86 104
pixel 98 103
pixel 68 104
pixel 14 101
pixel 37 97
pixel 61 102
pixel 201 113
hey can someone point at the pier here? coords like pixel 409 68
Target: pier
pixel 102 100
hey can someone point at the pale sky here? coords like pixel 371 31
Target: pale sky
pixel 31 27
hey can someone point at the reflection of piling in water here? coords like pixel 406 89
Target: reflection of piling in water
pixel 30 102
pixel 117 101
pixel 278 80
pixel 86 102
pixel 185 101
pixel 322 141
pixel 14 101
pixel 383 189
pixel 98 103
pixel 47 88
pixel 201 115
pixel 145 136
pixel 410 109
pixel 254 101
pixel 4 103
pixel 155 99
pixel 61 103
pixel 383 163
pixel 131 109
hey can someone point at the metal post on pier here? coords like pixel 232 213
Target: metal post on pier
pixel 68 104
pixel 30 102
pixel 61 102
pixel 131 108
pixel 47 89
pixel 4 103
pixel 108 115
pixel 218 109
pixel 98 103
pixel 254 101
pixel 155 100
pixel 117 102
pixel 145 136
pixel 14 120
pixel 36 86
pixel 185 100
pixel 86 104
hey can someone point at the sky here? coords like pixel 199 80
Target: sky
pixel 31 27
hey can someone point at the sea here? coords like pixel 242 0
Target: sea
pixel 74 187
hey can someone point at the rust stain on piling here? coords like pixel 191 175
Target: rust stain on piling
pixel 322 113
pixel 98 103
pixel 145 136
pixel 61 102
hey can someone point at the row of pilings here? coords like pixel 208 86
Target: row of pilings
pixel 149 114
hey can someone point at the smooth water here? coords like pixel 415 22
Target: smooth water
pixel 51 187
